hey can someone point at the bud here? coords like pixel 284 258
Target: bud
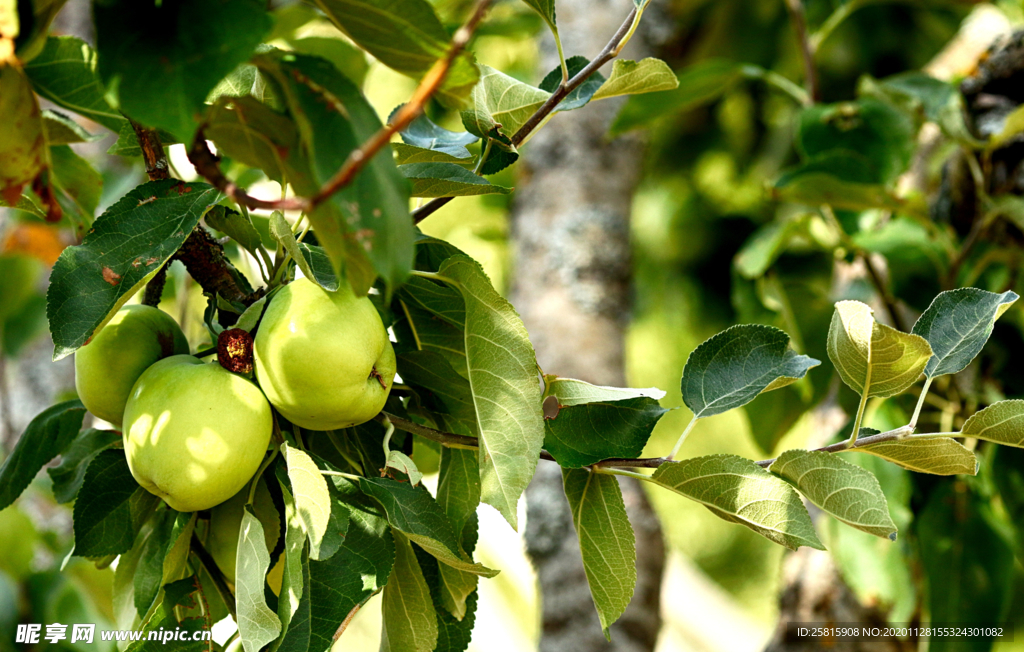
pixel 234 350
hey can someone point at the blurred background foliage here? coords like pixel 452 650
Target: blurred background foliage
pixel 722 233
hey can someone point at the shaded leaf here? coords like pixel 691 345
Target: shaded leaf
pixel 733 367
pixel 635 77
pixel 581 435
pixel 453 633
pixel 546 9
pixel 252 133
pixel 62 130
pixel 502 372
pixel 78 183
pixel 844 490
pixel 403 463
pixel 320 266
pixel 108 506
pixel 22 143
pixel 607 542
pixel 237 226
pixel 957 324
pixel 162 61
pixel 70 473
pixel 405 154
pixel 257 624
pixel 740 491
pixel 314 264
pixel 312 500
pixel 501 104
pixel 940 456
pixel 293 604
pixel 837 179
pixel 125 248
pixel 410 622
pixel 48 435
pixel 424 134
pixel 762 248
pixel 874 359
pixel 458 494
pixel 583 93
pixel 447 180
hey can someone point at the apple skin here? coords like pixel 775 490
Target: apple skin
pixel 321 357
pixel 226 521
pixel 107 367
pixel 195 433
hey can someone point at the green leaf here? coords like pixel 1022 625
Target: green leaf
pixel 583 93
pixel 70 473
pixel 91 281
pixel 546 9
pixel 252 133
pixel 570 391
pixel 405 154
pixel 365 227
pixel 502 373
pixel 78 183
pixel 293 605
pixel 424 134
pixel 635 77
pixel 453 632
pixel 501 104
pixel 337 49
pixel 584 434
pixel 237 226
pixel 877 135
pixel 957 324
pixel 62 130
pixel 404 35
pixel 410 622
pixel 108 506
pixel 246 81
pixel 257 624
pixel 403 463
pixel 157 565
pixel 607 542
pixel 838 179
pixel 413 511
pixel 65 73
pixel 248 319
pixel 458 494
pixel 162 60
pixel 447 180
pixel 846 491
pixel 281 230
pixel 733 367
pixel 874 359
pixel 940 456
pixel 770 421
pixel 925 97
pixel 740 491
pixel 312 500
pixel 968 564
pixel 127 143
pixel 46 437
pixel 763 248
pixel 351 576
pixel 1002 423
pixel 698 84
pixel 22 145
pixel 320 266
pixel 35 18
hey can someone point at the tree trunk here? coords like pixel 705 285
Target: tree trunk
pixel 571 285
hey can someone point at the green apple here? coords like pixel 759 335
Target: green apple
pixel 226 521
pixel 107 367
pixel 195 433
pixel 323 358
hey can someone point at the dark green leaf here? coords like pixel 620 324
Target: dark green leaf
pixel 957 324
pixel 458 494
pixel 453 634
pixel 68 475
pixel 924 97
pixel 404 35
pixel 252 133
pixel 62 130
pixel 65 73
pixel 733 367
pixel 410 154
pixel 423 133
pixel 46 437
pixel 163 59
pixel 410 622
pixel 78 183
pixel 762 248
pixel 127 143
pixel 584 434
pixel 770 421
pixel 108 506
pixel 347 58
pixel 447 180
pixel 607 542
pixel 163 558
pixel 237 226
pixel 124 249
pixel 35 18
pixel 582 93
pixel 740 491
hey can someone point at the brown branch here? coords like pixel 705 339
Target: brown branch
pixel 891 435
pixel 205 261
pixel 152 152
pixel 215 574
pixel 206 163
pixel 608 53
pixel 155 287
pixel 796 16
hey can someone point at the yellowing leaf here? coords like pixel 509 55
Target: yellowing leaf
pixel 312 500
pixel 635 77
pixel 502 103
pixel 940 456
pixel 872 358
pixel 1002 423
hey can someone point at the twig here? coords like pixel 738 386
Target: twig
pixel 796 16
pixel 883 292
pixel 155 287
pixel 206 163
pixel 607 54
pixel 899 433
pixel 215 574
pixel 152 152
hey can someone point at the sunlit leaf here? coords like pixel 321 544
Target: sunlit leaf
pixel 447 180
pixel 257 624
pixel 312 501
pixel 957 324
pixel 636 77
pixel 501 104
pixel 402 463
pixel 740 491
pixel 607 542
pixel 734 366
pixel 874 359
pixel 1002 423
pixel 939 456
pixel 844 490
pixel 570 391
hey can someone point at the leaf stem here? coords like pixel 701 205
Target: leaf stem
pixel 682 437
pixel 778 82
pixel 613 471
pixel 920 402
pixel 860 412
pixel 215 574
pixel 342 474
pixel 387 435
pixel 259 473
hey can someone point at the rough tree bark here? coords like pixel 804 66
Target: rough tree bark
pixel 571 285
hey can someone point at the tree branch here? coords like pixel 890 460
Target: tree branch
pixel 155 287
pixel 796 16
pixel 205 261
pixel 608 53
pixel 215 574
pixel 152 152
pixel 206 163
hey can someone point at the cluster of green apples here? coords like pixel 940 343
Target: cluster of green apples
pixel 194 432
